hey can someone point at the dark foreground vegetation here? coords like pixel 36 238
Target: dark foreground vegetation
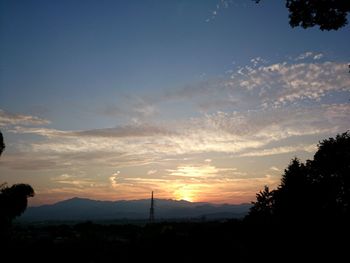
pixel 230 241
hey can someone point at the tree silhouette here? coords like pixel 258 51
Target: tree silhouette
pixel 327 14
pixel 13 200
pixel 2 144
pixel 331 174
pixel 295 195
pixel 262 208
pixel 318 189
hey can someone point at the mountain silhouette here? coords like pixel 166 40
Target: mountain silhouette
pixel 87 209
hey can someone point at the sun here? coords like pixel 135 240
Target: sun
pixel 185 193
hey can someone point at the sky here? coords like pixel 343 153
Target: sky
pixel 205 101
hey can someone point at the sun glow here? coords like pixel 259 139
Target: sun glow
pixel 185 193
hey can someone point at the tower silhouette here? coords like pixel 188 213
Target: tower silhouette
pixel 151 210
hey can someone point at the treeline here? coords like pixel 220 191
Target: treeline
pixel 315 191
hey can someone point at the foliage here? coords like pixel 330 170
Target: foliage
pixel 2 144
pixel 331 173
pixel 320 188
pixel 262 208
pixel 13 200
pixel 327 14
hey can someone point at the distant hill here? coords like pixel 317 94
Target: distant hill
pixel 87 209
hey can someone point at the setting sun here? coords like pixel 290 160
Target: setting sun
pixel 185 193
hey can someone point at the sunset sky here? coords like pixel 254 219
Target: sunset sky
pixel 195 100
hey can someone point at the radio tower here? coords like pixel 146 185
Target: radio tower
pixel 151 210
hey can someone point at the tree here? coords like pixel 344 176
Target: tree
pixel 320 188
pixel 331 173
pixel 292 197
pixel 327 14
pixel 262 208
pixel 13 200
pixel 2 144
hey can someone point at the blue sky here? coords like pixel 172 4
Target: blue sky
pixel 113 99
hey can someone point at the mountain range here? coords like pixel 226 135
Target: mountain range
pixel 165 209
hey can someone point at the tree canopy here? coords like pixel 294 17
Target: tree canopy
pixel 13 200
pixel 327 14
pixel 2 144
pixel 320 188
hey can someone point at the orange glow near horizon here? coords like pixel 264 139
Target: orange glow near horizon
pixel 185 193
pixel 194 183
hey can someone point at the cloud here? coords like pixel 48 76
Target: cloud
pixel 304 55
pixel 274 168
pixel 146 110
pixel 276 124
pixel 280 150
pixel 75 181
pixel 282 83
pixel 132 130
pixel 201 171
pixel 252 112
pixel 137 108
pixel 150 172
pixel 318 56
pixel 220 5
pixel 261 85
pixel 245 133
pixel 7 118
pixel 114 181
pixel 30 161
pixel 309 54
pixel 140 130
pixel 46 132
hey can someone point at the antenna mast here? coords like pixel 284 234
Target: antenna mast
pixel 151 210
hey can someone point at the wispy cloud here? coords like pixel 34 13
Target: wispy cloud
pixel 201 171
pixel 114 180
pixel 318 56
pixel 132 130
pixel 137 108
pixel 7 118
pixel 304 55
pixel 276 124
pixel 274 168
pixel 309 54
pixel 262 85
pixel 140 130
pixel 150 172
pixel 282 83
pixel 75 181
pixel 31 161
pixel 246 133
pixel 223 4
pixel 280 150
